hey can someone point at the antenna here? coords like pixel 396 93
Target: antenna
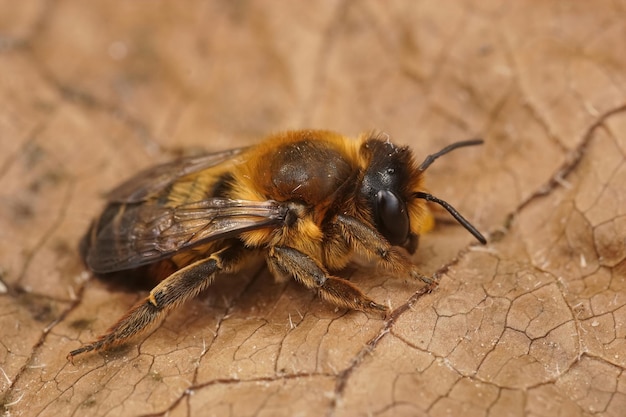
pixel 431 158
pixel 462 220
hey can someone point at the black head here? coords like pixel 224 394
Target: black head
pixel 385 186
pixel 389 183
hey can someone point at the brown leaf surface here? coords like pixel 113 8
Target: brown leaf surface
pixel 531 324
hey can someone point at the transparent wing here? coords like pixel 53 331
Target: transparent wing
pixel 154 179
pixel 132 235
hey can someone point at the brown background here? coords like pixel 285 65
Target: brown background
pixel 532 324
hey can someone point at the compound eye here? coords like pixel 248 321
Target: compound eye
pixel 391 217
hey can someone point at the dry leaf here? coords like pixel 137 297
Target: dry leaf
pixel 531 324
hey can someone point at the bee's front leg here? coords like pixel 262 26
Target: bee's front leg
pixel 305 270
pixel 371 243
pixel 169 294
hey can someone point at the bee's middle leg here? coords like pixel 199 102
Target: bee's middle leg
pixel 179 287
pixel 335 290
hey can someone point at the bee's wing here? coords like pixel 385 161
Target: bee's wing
pixel 154 179
pixel 139 234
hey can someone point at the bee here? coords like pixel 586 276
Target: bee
pixel 307 200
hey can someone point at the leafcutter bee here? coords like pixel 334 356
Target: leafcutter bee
pixel 307 200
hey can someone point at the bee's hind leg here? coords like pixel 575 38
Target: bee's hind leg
pixel 169 294
pixel 289 261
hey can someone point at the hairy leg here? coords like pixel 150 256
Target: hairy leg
pixel 179 287
pixel 371 243
pixel 306 271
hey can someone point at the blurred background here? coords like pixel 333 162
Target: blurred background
pixel 90 92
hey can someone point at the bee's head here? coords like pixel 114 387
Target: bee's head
pixel 391 186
